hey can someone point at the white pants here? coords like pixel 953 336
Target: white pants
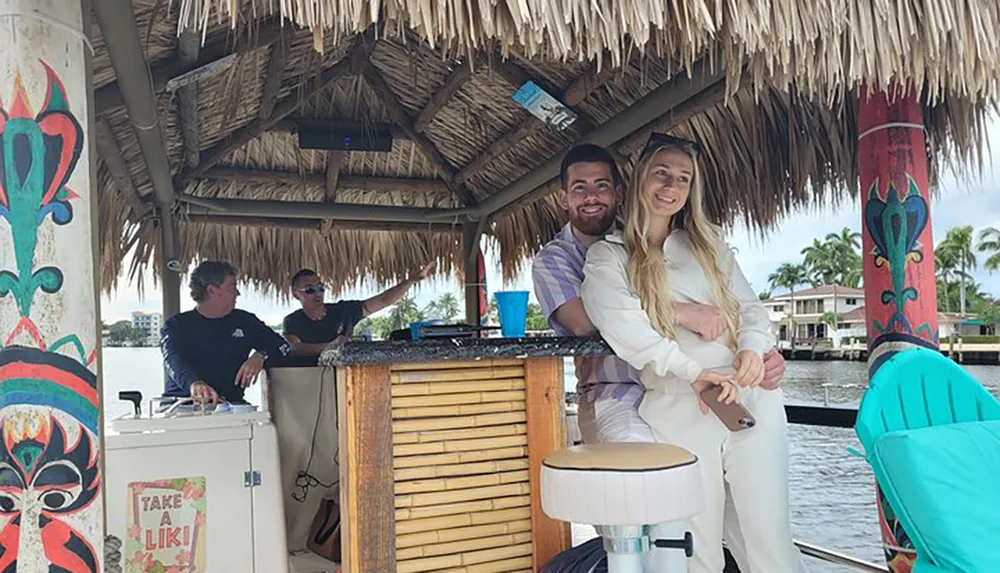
pixel 753 464
pixel 609 420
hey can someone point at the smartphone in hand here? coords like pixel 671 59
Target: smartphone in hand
pixel 734 416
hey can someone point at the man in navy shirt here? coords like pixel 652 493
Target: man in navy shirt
pixel 206 349
pixel 318 324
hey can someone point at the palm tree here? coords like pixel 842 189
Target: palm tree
pixel 448 305
pixel 989 242
pixel 944 267
pixel 957 243
pixel 789 276
pixel 820 262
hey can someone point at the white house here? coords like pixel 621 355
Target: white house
pixel 810 306
pixel 150 323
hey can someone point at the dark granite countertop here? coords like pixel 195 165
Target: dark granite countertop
pixel 438 349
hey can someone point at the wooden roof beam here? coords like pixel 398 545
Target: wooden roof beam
pixel 378 84
pixel 272 79
pixel 109 97
pixel 333 161
pixel 320 225
pixel 344 181
pixel 288 104
pixel 458 78
pixel 291 125
pixel 187 105
pixel 577 92
pixel 107 147
pixel 643 113
pixel 312 210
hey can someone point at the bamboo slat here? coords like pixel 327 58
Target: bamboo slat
pixel 461 495
pixel 456 399
pixel 478 506
pixel 438 535
pixel 485 363
pixel 431 472
pixel 449 484
pixel 459 457
pixel 459 410
pixel 431 388
pixel 463 546
pixel 465 559
pixel 516 565
pixel 459 446
pixel 457 374
pixel 401 426
pixel 471 433
pixel 460 522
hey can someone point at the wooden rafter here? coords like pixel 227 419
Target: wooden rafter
pixel 187 52
pixel 319 224
pixel 272 79
pixel 578 91
pixel 291 125
pixel 333 161
pixel 108 149
pixel 343 181
pixel 288 104
pixel 109 97
pixel 458 77
pixel 378 84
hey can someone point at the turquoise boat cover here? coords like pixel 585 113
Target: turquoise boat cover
pixel 929 432
pixel 944 487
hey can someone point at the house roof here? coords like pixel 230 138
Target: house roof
pixel 773 106
pixel 820 291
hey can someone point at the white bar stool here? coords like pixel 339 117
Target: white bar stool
pixel 622 489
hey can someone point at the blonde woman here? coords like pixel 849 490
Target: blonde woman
pixel 669 253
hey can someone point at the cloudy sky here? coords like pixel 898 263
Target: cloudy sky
pixel 959 202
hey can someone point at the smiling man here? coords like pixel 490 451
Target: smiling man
pixel 206 349
pixel 608 389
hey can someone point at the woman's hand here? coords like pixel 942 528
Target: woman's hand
pixel 704 320
pixel 707 379
pixel 749 369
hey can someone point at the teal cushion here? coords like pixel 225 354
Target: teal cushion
pixel 943 483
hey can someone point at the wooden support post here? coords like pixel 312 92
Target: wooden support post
pixel 170 279
pixel 545 403
pixel 368 531
pixel 272 79
pixel 471 235
pixel 50 389
pixel 898 247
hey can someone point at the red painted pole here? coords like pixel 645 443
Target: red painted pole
pixel 898 252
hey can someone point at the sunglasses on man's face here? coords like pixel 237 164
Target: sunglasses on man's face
pixel 658 140
pixel 313 289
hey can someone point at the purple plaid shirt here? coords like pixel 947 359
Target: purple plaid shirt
pixel 557 273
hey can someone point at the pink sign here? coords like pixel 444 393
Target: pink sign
pixel 166 526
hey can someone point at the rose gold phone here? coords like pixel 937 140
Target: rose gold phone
pixel 734 416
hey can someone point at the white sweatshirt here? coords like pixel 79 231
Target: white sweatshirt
pixel 615 310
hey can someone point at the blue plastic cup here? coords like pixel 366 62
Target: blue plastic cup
pixel 513 309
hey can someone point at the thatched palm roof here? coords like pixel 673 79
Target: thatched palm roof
pixel 777 126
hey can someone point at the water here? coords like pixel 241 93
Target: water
pixel 832 492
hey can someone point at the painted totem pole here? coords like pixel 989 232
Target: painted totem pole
pixel 50 406
pixel 898 249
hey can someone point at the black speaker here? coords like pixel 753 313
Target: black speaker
pixel 345 137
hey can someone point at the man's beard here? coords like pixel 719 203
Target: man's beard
pixel 594 227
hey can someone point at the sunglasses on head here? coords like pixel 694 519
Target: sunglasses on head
pixel 658 140
pixel 312 289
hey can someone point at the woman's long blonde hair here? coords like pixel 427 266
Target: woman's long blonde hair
pixel 647 271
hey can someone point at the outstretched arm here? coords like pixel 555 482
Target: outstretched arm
pixel 394 294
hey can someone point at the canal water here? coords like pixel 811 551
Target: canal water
pixel 832 492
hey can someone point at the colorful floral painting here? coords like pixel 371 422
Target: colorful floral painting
pixel 165 527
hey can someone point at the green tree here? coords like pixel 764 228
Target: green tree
pixel 957 243
pixel 945 264
pixel 536 318
pixel 403 313
pixel 789 276
pixel 445 308
pixel 820 262
pixel 122 331
pixel 989 242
